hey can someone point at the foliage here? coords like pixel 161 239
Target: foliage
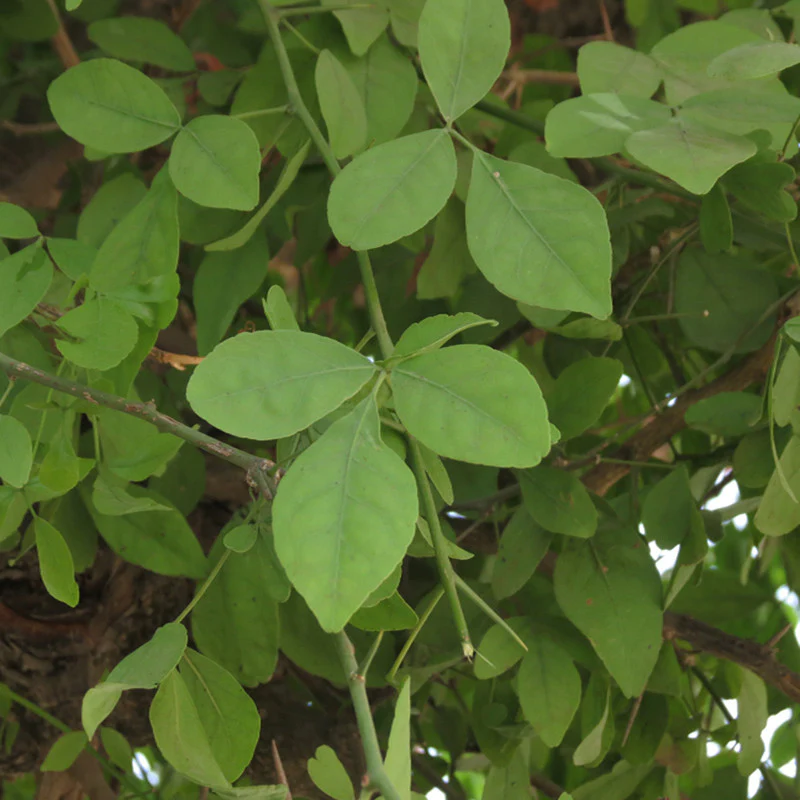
pixel 420 330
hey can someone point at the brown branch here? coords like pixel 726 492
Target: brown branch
pixel 279 770
pixel 28 128
pixel 758 658
pixel 549 789
pixel 662 428
pixel 61 42
pixel 546 76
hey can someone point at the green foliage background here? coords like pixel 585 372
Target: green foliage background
pixel 477 361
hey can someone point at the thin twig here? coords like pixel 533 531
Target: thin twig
pixel 61 42
pixel 446 573
pixel 279 771
pixel 28 128
pixel 255 466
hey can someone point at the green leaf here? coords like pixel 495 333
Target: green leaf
pixel 599 124
pixel 142 39
pixel 593 746
pixel 786 389
pixel 222 283
pixel 160 541
pixel 72 257
pixel 685 55
pixel 24 279
pixel 610 590
pixel 180 735
pixel 581 393
pixel 746 108
pixel 549 689
pixel 278 311
pixel 229 717
pixel 392 190
pixel 104 332
pixel 752 460
pixel 522 546
pixel 449 261
pixel 391 614
pixel 499 650
pixel 618 784
pixel 558 501
pixel 434 332
pixel 722 299
pixel 762 188
pixel 778 513
pixel 236 620
pixel 110 203
pixel 60 469
pixel 55 563
pixel 285 180
pixel 751 720
pixel 16 223
pixel 215 162
pixel 511 781
pixel 111 497
pixel 341 104
pixel 117 747
pixel 64 751
pixel 329 774
pixel 144 244
pixel 754 60
pixel 609 67
pixel 338 532
pixel 725 414
pixel 670 514
pixel 246 386
pixel 691 153
pixel 534 154
pixel 521 226
pixel 463 45
pixel 132 448
pixel 277 792
pixel 442 401
pixel 437 472
pixel 716 224
pixel 361 26
pixel 144 668
pixel 241 538
pixel 113 107
pixel 398 751
pixel 386 82
pixel 149 664
pixel 16 452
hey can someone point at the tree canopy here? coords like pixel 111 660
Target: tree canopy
pixel 396 400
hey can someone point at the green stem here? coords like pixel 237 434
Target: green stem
pixel 299 36
pixel 7 392
pixel 363 668
pixel 423 618
pixel 446 572
pixel 488 610
pixel 254 465
pixel 294 11
pixel 204 586
pixel 366 728
pixel 272 17
pixel 262 112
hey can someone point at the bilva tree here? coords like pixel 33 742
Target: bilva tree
pixel 357 368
